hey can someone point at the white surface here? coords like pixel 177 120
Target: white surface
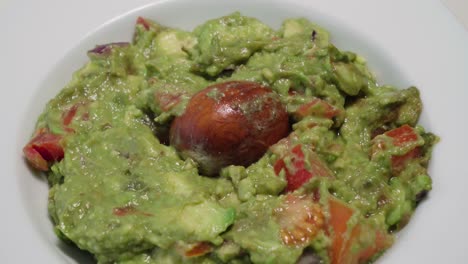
pixel 460 9
pixel 407 43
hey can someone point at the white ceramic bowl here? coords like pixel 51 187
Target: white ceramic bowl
pixel 417 43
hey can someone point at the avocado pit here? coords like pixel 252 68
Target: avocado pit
pixel 231 123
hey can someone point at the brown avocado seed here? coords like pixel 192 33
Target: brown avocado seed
pixel 231 123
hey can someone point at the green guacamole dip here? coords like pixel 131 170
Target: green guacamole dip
pixel 347 177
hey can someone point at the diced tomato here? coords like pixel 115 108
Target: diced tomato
pixel 300 220
pixel 199 249
pixel 402 135
pixel 296 180
pixel 143 22
pixel 345 237
pixel 297 150
pixel 43 149
pixel 46 147
pixel 279 165
pixel 298 173
pixel 35 159
pixel 399 162
pixel 318 108
pixel 340 214
pixel 382 242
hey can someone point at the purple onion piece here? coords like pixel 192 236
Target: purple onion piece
pixel 106 49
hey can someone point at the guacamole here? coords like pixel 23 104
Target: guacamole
pixel 344 172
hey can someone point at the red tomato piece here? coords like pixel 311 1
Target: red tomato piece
pixel 298 173
pixel 340 214
pixel 296 180
pixel 71 113
pixel 279 165
pixel 318 108
pixel 300 220
pixel 399 162
pixel 344 238
pixel 382 242
pixel 43 149
pixel 35 159
pixel 402 135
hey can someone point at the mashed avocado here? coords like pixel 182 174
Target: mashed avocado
pixel 349 174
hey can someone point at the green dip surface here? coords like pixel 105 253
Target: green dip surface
pixel 347 177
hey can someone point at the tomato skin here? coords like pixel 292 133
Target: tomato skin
pixel 298 174
pixel 43 149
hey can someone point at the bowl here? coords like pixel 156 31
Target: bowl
pixel 413 49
